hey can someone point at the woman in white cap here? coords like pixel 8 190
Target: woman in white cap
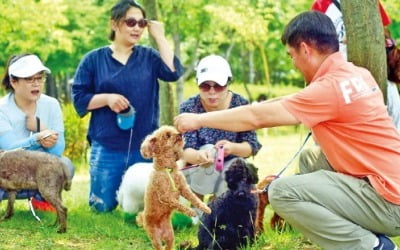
pixel 213 75
pixel 30 119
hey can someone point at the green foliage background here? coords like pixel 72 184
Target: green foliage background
pixel 75 136
pixel 246 32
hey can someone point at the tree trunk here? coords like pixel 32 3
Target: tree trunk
pixel 166 96
pixel 51 88
pixel 252 72
pixel 365 38
pixel 177 51
pixel 266 67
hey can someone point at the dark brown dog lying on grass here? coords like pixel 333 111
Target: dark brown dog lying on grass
pixel 24 169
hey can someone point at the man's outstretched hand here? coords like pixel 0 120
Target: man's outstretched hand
pixel 187 122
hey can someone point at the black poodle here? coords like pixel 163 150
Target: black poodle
pixel 231 223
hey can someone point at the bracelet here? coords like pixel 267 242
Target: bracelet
pixel 37 124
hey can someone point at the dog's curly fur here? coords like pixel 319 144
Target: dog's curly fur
pixel 24 169
pixel 231 222
pixel 165 186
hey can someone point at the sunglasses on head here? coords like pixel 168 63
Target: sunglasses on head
pixel 206 87
pixel 131 22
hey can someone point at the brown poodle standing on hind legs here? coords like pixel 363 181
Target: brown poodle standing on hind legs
pixel 165 186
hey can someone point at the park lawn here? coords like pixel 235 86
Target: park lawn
pixel 88 230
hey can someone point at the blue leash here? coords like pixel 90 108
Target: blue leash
pixel 290 162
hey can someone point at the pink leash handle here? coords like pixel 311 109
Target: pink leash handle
pixel 219 164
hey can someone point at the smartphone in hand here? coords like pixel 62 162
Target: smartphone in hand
pixel 47 135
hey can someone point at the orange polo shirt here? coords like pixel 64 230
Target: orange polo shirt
pixel 344 108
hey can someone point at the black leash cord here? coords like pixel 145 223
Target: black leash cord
pixel 290 162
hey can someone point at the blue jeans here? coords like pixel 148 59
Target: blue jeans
pixel 106 170
pixel 26 194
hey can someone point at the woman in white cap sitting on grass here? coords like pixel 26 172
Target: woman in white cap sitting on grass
pixel 30 119
pixel 213 75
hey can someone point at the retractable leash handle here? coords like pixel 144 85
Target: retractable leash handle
pixel 219 163
pixel 290 162
pixel 126 118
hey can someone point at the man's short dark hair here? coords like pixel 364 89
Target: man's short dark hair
pixel 314 28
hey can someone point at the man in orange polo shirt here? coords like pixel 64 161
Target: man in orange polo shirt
pixel 358 203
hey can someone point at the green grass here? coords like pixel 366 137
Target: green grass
pixel 89 230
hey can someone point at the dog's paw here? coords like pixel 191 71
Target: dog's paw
pixel 206 210
pixel 140 219
pixel 185 245
pixel 191 213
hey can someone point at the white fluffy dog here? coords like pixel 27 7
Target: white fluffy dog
pixel 130 194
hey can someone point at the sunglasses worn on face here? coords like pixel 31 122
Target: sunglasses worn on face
pixel 206 87
pixel 131 22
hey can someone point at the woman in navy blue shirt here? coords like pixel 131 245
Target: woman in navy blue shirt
pixel 109 80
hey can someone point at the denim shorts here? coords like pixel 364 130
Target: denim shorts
pixel 106 170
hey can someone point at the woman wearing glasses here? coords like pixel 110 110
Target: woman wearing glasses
pixel 109 80
pixel 213 75
pixel 30 119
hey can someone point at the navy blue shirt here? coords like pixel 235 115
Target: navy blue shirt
pixel 99 72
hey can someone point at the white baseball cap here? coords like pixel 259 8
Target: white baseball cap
pixel 27 66
pixel 213 68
